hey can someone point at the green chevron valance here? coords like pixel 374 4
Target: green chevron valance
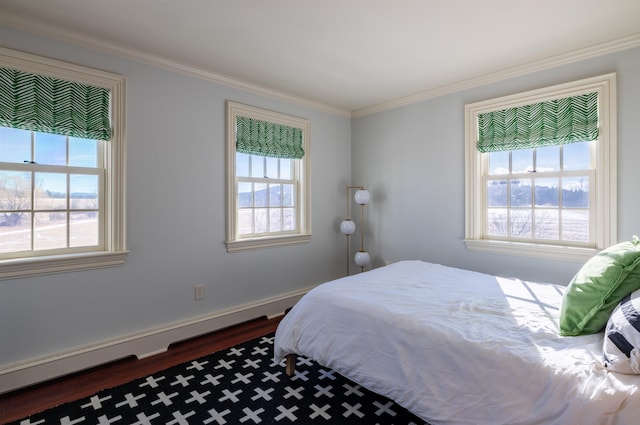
pixel 554 122
pixel 257 137
pixel 51 105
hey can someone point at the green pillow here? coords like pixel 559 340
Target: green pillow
pixel 598 287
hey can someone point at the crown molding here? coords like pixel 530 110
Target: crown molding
pixel 84 40
pixel 516 71
pixel 94 43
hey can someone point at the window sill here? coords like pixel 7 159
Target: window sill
pixel 267 242
pixel 546 252
pixel 37 266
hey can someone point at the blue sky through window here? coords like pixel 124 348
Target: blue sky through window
pixel 49 149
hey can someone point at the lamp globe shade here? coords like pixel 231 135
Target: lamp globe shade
pixel 362 258
pixel 362 197
pixel 347 227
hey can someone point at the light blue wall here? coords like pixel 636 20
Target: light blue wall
pixel 176 217
pixel 412 158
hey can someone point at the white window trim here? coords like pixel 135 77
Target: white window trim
pixel 606 174
pixel 304 201
pixel 115 252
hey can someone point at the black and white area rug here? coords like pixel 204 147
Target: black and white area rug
pixel 241 385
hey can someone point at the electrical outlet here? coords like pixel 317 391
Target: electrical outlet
pixel 199 292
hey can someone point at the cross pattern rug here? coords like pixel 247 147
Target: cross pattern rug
pixel 241 385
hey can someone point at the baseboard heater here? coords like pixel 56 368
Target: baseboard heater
pixel 140 344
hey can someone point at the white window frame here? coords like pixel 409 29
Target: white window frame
pixel 303 186
pixel 114 252
pixel 605 197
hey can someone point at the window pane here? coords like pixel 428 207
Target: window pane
pixel 546 192
pixel 521 223
pixel 245 195
pixel 575 192
pixel 50 230
pixel 514 203
pixel 257 166
pixel 51 191
pixel 521 193
pixel 260 220
pixel 498 162
pixel 575 225
pixel 275 223
pixel 83 229
pixel 83 191
pixel 15 145
pixel 289 218
pixel 51 149
pixel 548 159
pixel 288 195
pixel 522 160
pixel 83 152
pixel 260 194
pixel 497 193
pixel 272 168
pixel 547 224
pixel 275 195
pixel 245 220
pixel 242 164
pixel 15 232
pixel 15 192
pixel 497 221
pixel 575 156
pixel 286 168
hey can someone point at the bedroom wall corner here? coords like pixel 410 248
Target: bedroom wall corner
pixel 415 159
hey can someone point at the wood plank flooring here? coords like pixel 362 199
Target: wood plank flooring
pixel 24 402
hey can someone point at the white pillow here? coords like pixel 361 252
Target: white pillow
pixel 621 350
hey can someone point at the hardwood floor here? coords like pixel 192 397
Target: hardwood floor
pixel 24 402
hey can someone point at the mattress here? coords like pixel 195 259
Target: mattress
pixel 459 347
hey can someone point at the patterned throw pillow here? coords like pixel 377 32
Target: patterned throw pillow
pixel 621 349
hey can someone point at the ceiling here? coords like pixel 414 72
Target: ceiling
pixel 351 55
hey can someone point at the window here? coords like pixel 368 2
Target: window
pixel 61 167
pixel 268 196
pixel 50 202
pixel 541 175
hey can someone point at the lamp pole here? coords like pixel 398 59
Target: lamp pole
pixel 348 227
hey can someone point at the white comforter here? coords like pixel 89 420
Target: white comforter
pixel 459 347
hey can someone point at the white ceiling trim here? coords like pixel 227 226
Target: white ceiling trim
pixel 539 65
pixel 84 40
pixel 94 43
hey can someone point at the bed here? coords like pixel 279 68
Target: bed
pixel 459 347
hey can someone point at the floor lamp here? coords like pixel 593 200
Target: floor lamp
pixel 348 226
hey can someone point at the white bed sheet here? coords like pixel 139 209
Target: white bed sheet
pixel 459 347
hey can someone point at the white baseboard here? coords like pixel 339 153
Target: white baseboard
pixel 141 344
